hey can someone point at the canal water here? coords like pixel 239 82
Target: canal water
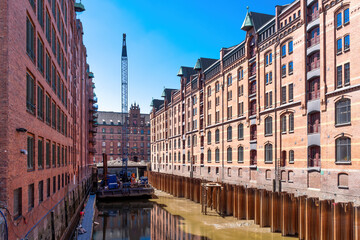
pixel 166 217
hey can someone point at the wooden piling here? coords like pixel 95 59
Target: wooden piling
pixel 250 204
pixel 275 212
pixel 265 208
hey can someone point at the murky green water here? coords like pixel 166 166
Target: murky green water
pixel 167 218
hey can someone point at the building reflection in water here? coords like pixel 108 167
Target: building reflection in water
pixel 138 220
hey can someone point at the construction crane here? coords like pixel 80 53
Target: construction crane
pixel 124 107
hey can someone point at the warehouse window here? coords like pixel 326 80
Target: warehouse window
pixel 30 39
pixel 17 203
pixel 343 149
pixel 30 150
pixel 343 112
pixel 30 93
pixel 30 197
pixel 41 191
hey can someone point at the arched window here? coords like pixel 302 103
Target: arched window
pixel 229 80
pixel 217 155
pixel 343 149
pixel 189 159
pixel 209 156
pixel 209 137
pixel 268 126
pixel 283 124
pixel 240 74
pixel 174 143
pixel 229 172
pixel 240 172
pixel 240 154
pixel 175 157
pixel 291 122
pixel 343 180
pixel 217 87
pixel 229 133
pixel 343 112
pixel 291 156
pixel 217 135
pixel 229 155
pixel 268 153
pixel 209 91
pixel 179 155
pixel 241 131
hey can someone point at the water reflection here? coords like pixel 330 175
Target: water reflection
pixel 138 220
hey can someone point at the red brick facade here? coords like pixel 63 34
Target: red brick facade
pixel 277 111
pixel 110 138
pixel 45 99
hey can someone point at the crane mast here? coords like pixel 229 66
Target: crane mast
pixel 124 105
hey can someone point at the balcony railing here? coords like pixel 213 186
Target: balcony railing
pixel 252 111
pixel 314 128
pixel 253 162
pixel 313 95
pixel 252 72
pixel 313 16
pixel 313 41
pixel 313 162
pixel 314 65
pixel 252 90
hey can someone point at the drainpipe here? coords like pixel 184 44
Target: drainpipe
pixel 222 114
pixel 277 179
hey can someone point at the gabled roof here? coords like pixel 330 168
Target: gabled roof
pixel 186 72
pixel 260 19
pixel 167 94
pixel 156 103
pixel 204 63
pixel 255 20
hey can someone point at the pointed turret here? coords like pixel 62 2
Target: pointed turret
pixel 248 23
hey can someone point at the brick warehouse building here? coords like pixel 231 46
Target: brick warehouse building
pixel 46 110
pixel 110 139
pixel 277 109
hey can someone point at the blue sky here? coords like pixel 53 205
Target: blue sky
pixel 162 35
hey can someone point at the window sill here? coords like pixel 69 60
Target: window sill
pixel 268 162
pixel 347 50
pixel 291 162
pixel 343 163
pixel 283 133
pixel 240 162
pixel 343 187
pixel 241 138
pixel 343 124
pixel 339 27
pixel 229 140
pixel 339 53
pixel 268 135
pixel 290 73
pixel 291 132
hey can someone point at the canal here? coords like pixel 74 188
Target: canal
pixel 166 217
